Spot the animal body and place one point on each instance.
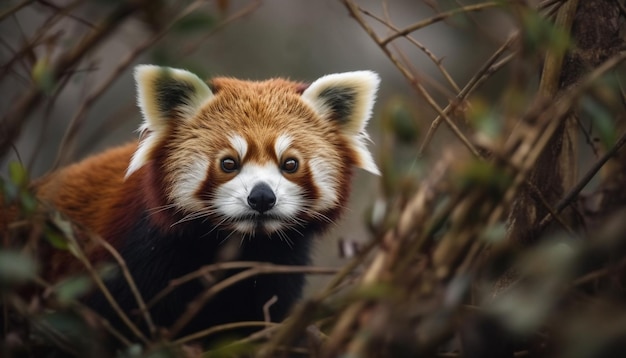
(260, 167)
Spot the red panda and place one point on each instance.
(265, 165)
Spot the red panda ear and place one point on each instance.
(348, 99)
(164, 96)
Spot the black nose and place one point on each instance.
(261, 198)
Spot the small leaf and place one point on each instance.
(108, 271)
(482, 174)
(28, 201)
(16, 268)
(43, 75)
(602, 121)
(64, 326)
(18, 174)
(540, 34)
(494, 234)
(73, 288)
(196, 21)
(56, 239)
(133, 351)
(483, 118)
(8, 191)
(401, 120)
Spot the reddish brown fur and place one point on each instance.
(95, 194)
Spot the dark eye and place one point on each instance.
(229, 165)
(290, 165)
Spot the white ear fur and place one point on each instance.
(164, 95)
(347, 98)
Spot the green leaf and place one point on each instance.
(483, 118)
(56, 239)
(16, 268)
(73, 288)
(18, 174)
(541, 34)
(401, 120)
(108, 271)
(133, 351)
(602, 121)
(43, 75)
(28, 201)
(494, 234)
(482, 174)
(193, 22)
(56, 326)
(8, 191)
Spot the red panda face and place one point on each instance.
(254, 157)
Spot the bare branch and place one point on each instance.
(354, 11)
(17, 7)
(20, 112)
(437, 18)
(261, 269)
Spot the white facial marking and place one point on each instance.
(324, 179)
(240, 145)
(188, 180)
(282, 144)
(231, 198)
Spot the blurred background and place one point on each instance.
(300, 39)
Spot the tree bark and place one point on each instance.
(596, 35)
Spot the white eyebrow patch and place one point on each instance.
(240, 145)
(282, 144)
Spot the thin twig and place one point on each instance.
(43, 327)
(80, 254)
(262, 334)
(300, 317)
(355, 12)
(267, 317)
(594, 275)
(236, 16)
(573, 193)
(587, 134)
(439, 17)
(77, 121)
(19, 114)
(12, 10)
(550, 209)
(436, 61)
(47, 113)
(130, 281)
(38, 37)
(221, 328)
(546, 3)
(57, 8)
(104, 322)
(487, 69)
(201, 272)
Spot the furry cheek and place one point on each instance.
(188, 178)
(324, 177)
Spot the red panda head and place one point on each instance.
(254, 157)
